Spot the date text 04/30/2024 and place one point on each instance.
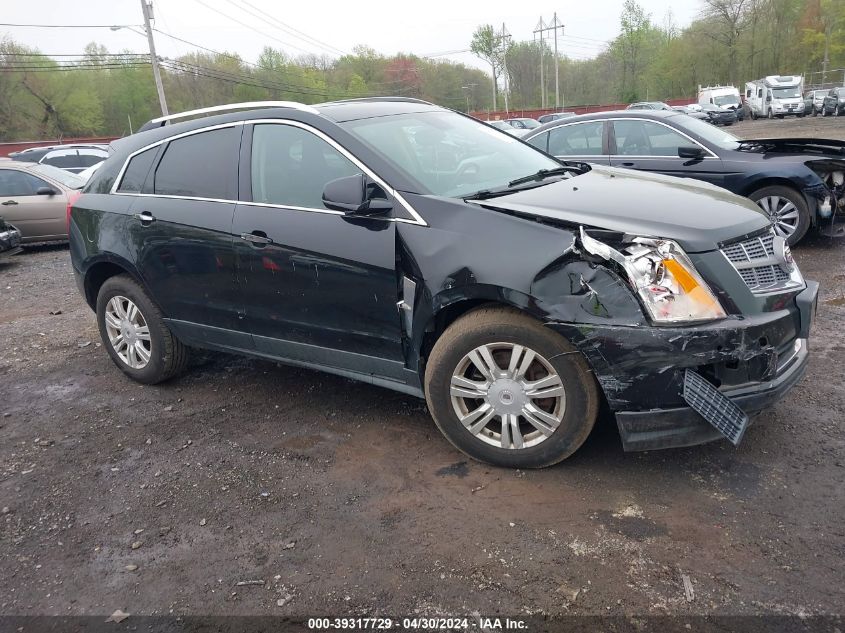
(417, 623)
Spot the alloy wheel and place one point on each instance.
(507, 395)
(128, 332)
(783, 214)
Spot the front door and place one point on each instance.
(37, 217)
(652, 146)
(318, 286)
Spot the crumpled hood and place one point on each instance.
(695, 214)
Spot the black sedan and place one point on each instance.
(797, 182)
(717, 116)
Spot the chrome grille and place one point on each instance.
(755, 261)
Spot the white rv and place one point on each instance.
(775, 96)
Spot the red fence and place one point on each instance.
(16, 146)
(582, 109)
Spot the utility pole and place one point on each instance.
(148, 9)
(554, 25)
(505, 36)
(468, 91)
(539, 30)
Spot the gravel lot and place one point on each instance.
(343, 498)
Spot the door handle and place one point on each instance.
(145, 217)
(257, 238)
(628, 164)
(9, 202)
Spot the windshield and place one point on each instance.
(60, 175)
(710, 133)
(447, 153)
(726, 100)
(786, 93)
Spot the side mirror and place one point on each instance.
(768, 99)
(690, 152)
(355, 196)
(45, 191)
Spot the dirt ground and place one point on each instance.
(339, 498)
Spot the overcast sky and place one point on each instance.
(423, 28)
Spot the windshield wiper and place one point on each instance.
(545, 173)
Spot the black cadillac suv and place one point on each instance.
(409, 246)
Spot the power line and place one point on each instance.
(70, 26)
(300, 35)
(252, 28)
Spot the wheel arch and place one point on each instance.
(98, 272)
(783, 181)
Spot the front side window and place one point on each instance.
(202, 165)
(291, 166)
(578, 139)
(17, 183)
(448, 154)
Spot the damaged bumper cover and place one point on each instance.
(754, 361)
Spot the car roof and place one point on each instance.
(610, 114)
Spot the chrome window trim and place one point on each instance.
(666, 125)
(417, 219)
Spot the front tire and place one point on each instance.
(508, 391)
(787, 209)
(134, 333)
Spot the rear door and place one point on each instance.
(38, 217)
(319, 286)
(180, 227)
(653, 146)
(584, 141)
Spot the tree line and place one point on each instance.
(731, 42)
(97, 93)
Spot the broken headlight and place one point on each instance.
(664, 278)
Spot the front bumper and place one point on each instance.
(753, 360)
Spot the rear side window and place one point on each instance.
(137, 170)
(63, 158)
(203, 165)
(291, 166)
(577, 139)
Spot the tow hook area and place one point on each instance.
(715, 407)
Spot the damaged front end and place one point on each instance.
(829, 194)
(713, 350)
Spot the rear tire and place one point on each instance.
(766, 197)
(128, 318)
(507, 337)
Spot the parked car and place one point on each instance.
(524, 123)
(834, 102)
(649, 105)
(813, 101)
(718, 116)
(507, 127)
(34, 197)
(796, 182)
(72, 158)
(10, 239)
(555, 116)
(696, 114)
(517, 294)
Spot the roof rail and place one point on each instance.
(164, 120)
(405, 99)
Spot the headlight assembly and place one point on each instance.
(664, 278)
